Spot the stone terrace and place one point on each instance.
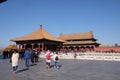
(89, 56)
(70, 70)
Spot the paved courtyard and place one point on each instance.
(70, 70)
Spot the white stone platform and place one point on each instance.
(89, 56)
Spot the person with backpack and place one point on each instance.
(56, 60)
(48, 59)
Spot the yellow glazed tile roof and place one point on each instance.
(87, 35)
(38, 35)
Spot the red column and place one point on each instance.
(74, 48)
(17, 46)
(24, 46)
(62, 48)
(84, 49)
(79, 49)
(32, 46)
(38, 46)
(90, 49)
(94, 48)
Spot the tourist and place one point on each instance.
(36, 55)
(33, 56)
(15, 57)
(56, 60)
(48, 59)
(27, 55)
(75, 54)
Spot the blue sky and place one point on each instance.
(21, 17)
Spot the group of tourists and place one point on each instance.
(33, 57)
(15, 58)
(56, 58)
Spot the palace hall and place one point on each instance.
(42, 41)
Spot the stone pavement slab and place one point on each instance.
(70, 70)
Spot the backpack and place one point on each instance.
(48, 56)
(56, 58)
(36, 53)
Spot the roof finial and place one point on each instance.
(60, 34)
(91, 32)
(41, 26)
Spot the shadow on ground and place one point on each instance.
(52, 66)
(22, 70)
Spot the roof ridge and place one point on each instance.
(77, 33)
